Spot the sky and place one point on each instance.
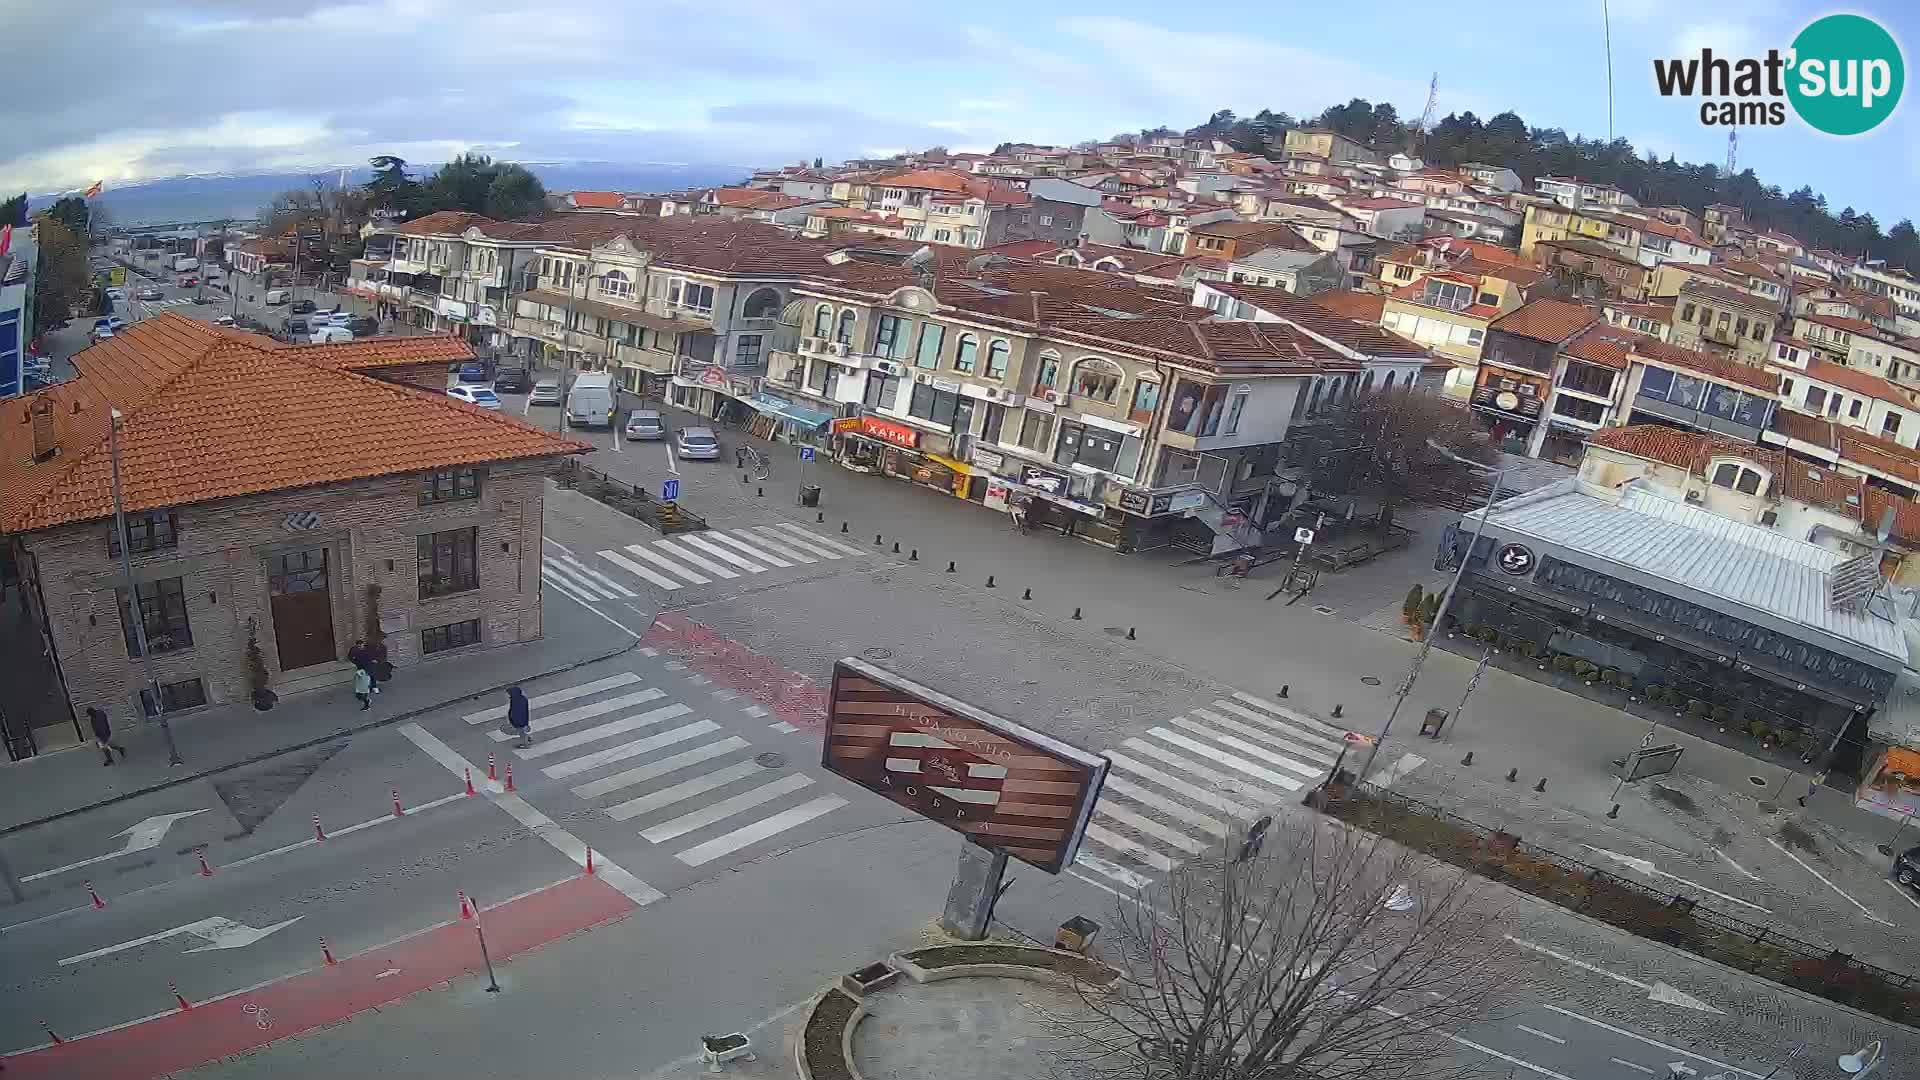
(146, 88)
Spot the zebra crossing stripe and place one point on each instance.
(1137, 852)
(1290, 741)
(1113, 811)
(630, 749)
(1309, 735)
(743, 546)
(816, 539)
(779, 544)
(1284, 783)
(637, 570)
(603, 731)
(555, 697)
(1154, 750)
(669, 565)
(1177, 811)
(548, 575)
(597, 577)
(719, 552)
(1311, 723)
(653, 769)
(1111, 871)
(551, 565)
(759, 830)
(770, 533)
(686, 789)
(1179, 786)
(695, 558)
(544, 724)
(1249, 749)
(726, 808)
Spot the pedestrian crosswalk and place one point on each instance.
(1180, 788)
(690, 559)
(176, 301)
(681, 779)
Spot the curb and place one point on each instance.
(175, 781)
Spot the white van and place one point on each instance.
(327, 335)
(591, 402)
(276, 296)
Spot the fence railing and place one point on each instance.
(635, 502)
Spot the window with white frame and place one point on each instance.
(997, 354)
(943, 236)
(823, 320)
(614, 283)
(1097, 379)
(964, 353)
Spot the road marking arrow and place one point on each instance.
(218, 932)
(140, 837)
(1656, 991)
(1646, 868)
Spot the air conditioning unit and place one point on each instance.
(888, 367)
(840, 348)
(1055, 397)
(1694, 497)
(809, 345)
(994, 393)
(922, 377)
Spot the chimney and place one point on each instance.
(40, 414)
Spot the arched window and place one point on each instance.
(997, 354)
(844, 335)
(616, 283)
(964, 352)
(763, 304)
(1388, 385)
(1366, 383)
(1097, 379)
(822, 320)
(1048, 374)
(1313, 403)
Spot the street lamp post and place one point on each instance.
(132, 612)
(1446, 601)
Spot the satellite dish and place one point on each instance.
(921, 259)
(986, 262)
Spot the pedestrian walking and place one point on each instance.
(361, 658)
(519, 716)
(103, 735)
(363, 687)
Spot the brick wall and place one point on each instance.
(431, 376)
(369, 530)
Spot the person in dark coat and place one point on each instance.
(519, 715)
(103, 735)
(362, 657)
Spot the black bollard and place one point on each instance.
(1614, 813)
(1513, 774)
(1336, 711)
(760, 491)
(743, 478)
(914, 556)
(843, 526)
(1027, 595)
(949, 566)
(1542, 785)
(1130, 634)
(1283, 691)
(821, 516)
(896, 547)
(876, 540)
(989, 581)
(1076, 613)
(1468, 760)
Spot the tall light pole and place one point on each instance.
(132, 613)
(1446, 599)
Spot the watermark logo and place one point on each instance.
(1843, 75)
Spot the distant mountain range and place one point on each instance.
(203, 197)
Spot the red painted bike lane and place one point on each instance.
(248, 1019)
(795, 698)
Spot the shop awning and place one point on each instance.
(805, 417)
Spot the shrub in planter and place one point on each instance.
(1430, 608)
(1563, 663)
(1410, 605)
(1698, 708)
(1720, 714)
(1584, 669)
(257, 676)
(1656, 693)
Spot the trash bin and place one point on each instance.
(810, 495)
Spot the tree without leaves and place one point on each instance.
(1377, 447)
(1332, 956)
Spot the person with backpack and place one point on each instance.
(519, 716)
(103, 735)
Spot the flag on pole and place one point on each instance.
(6, 238)
(94, 190)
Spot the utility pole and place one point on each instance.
(132, 612)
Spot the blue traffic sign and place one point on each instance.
(806, 453)
(670, 490)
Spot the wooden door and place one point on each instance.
(302, 608)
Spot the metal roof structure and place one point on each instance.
(1712, 561)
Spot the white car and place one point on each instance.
(482, 396)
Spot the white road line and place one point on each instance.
(555, 697)
(1307, 771)
(1311, 723)
(1113, 811)
(542, 724)
(725, 808)
(746, 548)
(1864, 910)
(818, 549)
(598, 578)
(560, 584)
(695, 558)
(1404, 764)
(815, 538)
(1541, 1034)
(779, 544)
(637, 570)
(1631, 1065)
(599, 758)
(1750, 875)
(686, 789)
(581, 583)
(673, 462)
(1139, 853)
(1310, 732)
(655, 769)
(602, 731)
(1174, 810)
(783, 727)
(1111, 871)
(558, 544)
(1214, 753)
(754, 710)
(1668, 1047)
(1180, 787)
(759, 830)
(1160, 753)
(543, 826)
(719, 552)
(1902, 890)
(669, 565)
(1290, 745)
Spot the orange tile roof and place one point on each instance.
(1841, 322)
(445, 223)
(1860, 382)
(1605, 345)
(1352, 304)
(1807, 429)
(1655, 442)
(370, 353)
(1884, 455)
(1729, 371)
(1823, 487)
(1549, 320)
(1906, 513)
(598, 200)
(213, 414)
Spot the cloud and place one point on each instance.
(1730, 39)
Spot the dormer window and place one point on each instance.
(1737, 476)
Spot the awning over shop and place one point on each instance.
(958, 466)
(805, 417)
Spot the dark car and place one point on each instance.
(301, 307)
(294, 327)
(1906, 868)
(472, 372)
(513, 380)
(364, 326)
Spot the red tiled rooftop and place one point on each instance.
(1604, 345)
(1549, 320)
(1655, 442)
(1723, 370)
(598, 200)
(1860, 382)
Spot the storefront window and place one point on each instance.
(934, 406)
(1091, 446)
(1036, 431)
(990, 427)
(882, 391)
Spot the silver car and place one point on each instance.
(697, 444)
(645, 424)
(544, 393)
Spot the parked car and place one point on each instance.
(187, 281)
(364, 326)
(101, 333)
(645, 424)
(149, 293)
(116, 323)
(545, 393)
(475, 395)
(474, 372)
(116, 293)
(294, 327)
(513, 380)
(276, 297)
(697, 444)
(300, 307)
(326, 334)
(1906, 868)
(224, 320)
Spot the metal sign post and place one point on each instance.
(802, 473)
(670, 491)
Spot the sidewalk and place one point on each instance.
(60, 783)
